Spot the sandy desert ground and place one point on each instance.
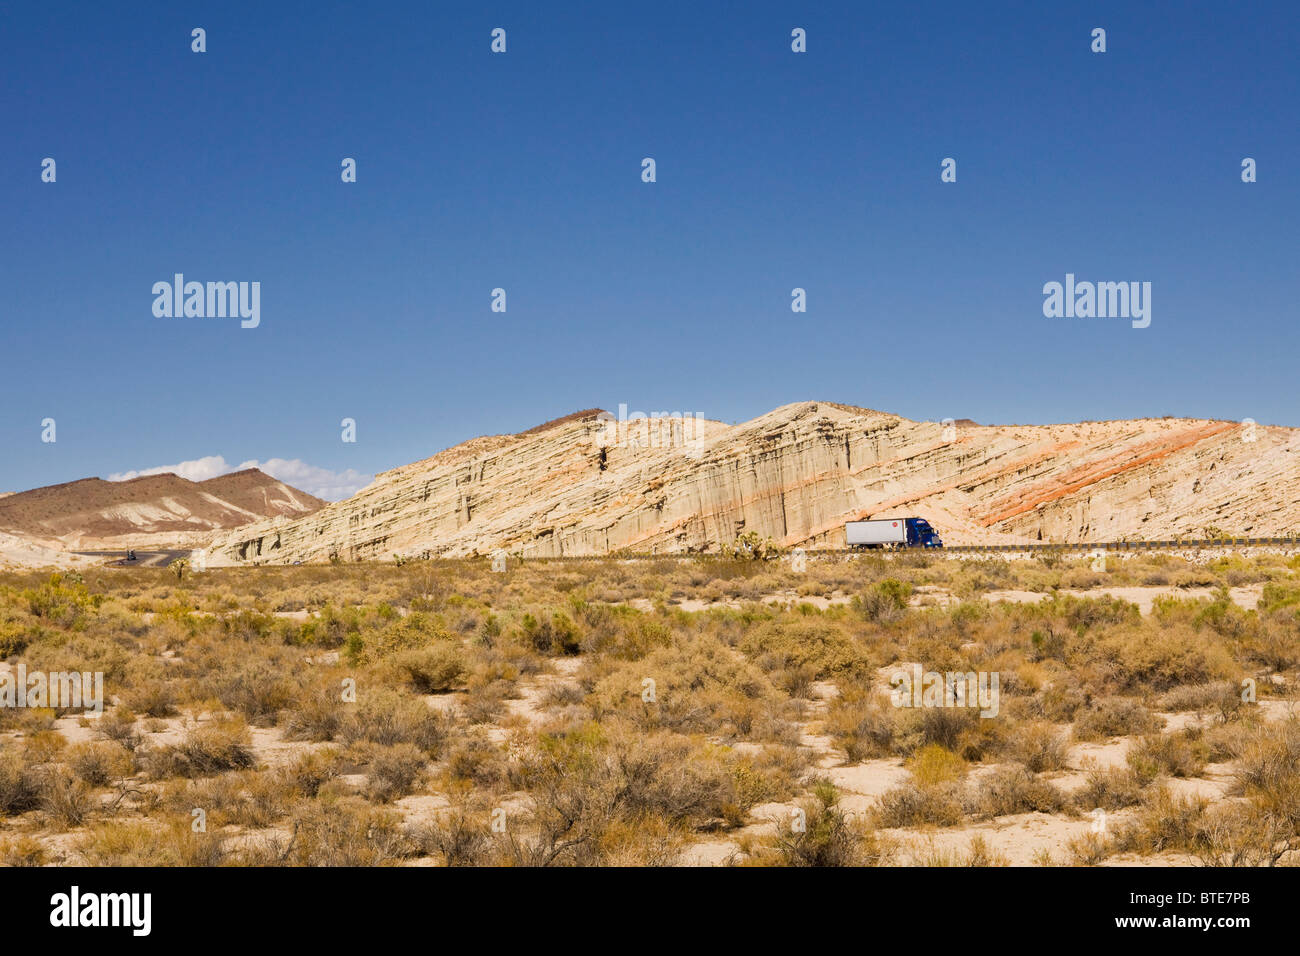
(718, 712)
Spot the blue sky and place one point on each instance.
(522, 170)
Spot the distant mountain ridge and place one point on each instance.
(92, 513)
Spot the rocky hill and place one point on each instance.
(97, 514)
(582, 485)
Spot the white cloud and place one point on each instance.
(200, 469)
(321, 482)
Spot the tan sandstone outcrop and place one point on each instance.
(586, 486)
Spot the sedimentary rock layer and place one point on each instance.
(584, 485)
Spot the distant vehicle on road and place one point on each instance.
(891, 533)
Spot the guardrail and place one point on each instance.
(1172, 544)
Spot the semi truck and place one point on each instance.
(891, 533)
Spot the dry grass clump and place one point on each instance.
(978, 853)
(1115, 717)
(386, 717)
(690, 687)
(863, 723)
(819, 833)
(142, 843)
(1183, 754)
(23, 849)
(393, 771)
(99, 763)
(909, 805)
(820, 645)
(210, 747)
(587, 781)
(20, 784)
(1039, 746)
(933, 795)
(1013, 789)
(460, 837)
(432, 670)
(1109, 788)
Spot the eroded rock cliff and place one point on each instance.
(584, 485)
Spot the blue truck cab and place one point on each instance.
(921, 535)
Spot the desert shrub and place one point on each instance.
(44, 746)
(826, 836)
(885, 602)
(318, 715)
(477, 759)
(212, 747)
(1059, 702)
(1234, 834)
(486, 703)
(393, 770)
(99, 763)
(693, 685)
(1014, 789)
(1269, 762)
(1162, 823)
(66, 800)
(1157, 658)
(116, 843)
(1222, 698)
(933, 765)
(118, 725)
(1115, 717)
(153, 698)
(1039, 746)
(554, 634)
(432, 670)
(586, 779)
(257, 686)
(1110, 788)
(1180, 755)
(330, 628)
(646, 841)
(385, 634)
(23, 850)
(1275, 646)
(20, 785)
(863, 724)
(621, 632)
(311, 771)
(1089, 849)
(959, 729)
(63, 601)
(820, 645)
(386, 717)
(243, 798)
(459, 838)
(908, 805)
(338, 831)
(977, 854)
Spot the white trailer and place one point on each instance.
(891, 533)
(882, 531)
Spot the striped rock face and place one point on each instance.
(588, 485)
